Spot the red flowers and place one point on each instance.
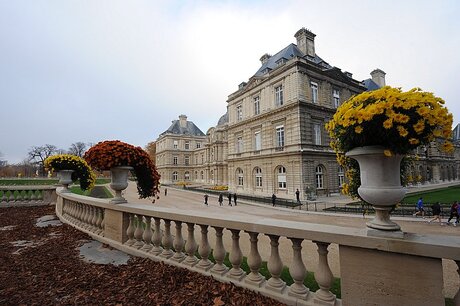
(114, 153)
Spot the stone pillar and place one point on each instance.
(115, 225)
(389, 278)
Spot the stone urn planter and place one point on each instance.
(119, 182)
(65, 178)
(380, 183)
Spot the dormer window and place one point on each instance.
(281, 61)
(266, 70)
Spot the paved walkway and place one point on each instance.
(185, 199)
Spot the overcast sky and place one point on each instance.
(101, 70)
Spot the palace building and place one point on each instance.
(272, 138)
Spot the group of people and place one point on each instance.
(436, 210)
(221, 199)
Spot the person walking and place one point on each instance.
(166, 191)
(436, 208)
(234, 198)
(206, 199)
(420, 210)
(297, 195)
(273, 199)
(221, 199)
(229, 196)
(453, 213)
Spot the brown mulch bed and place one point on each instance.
(51, 272)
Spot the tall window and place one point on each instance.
(187, 160)
(279, 95)
(212, 175)
(281, 177)
(239, 113)
(187, 176)
(239, 175)
(202, 175)
(256, 105)
(336, 97)
(198, 145)
(174, 177)
(175, 144)
(174, 160)
(341, 175)
(280, 136)
(319, 177)
(258, 177)
(257, 141)
(202, 158)
(187, 145)
(196, 159)
(314, 92)
(317, 132)
(239, 144)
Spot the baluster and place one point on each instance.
(275, 266)
(83, 216)
(99, 213)
(19, 196)
(4, 198)
(130, 231)
(204, 250)
(324, 276)
(80, 215)
(88, 217)
(67, 210)
(25, 196)
(298, 271)
(178, 243)
(40, 195)
(147, 236)
(156, 239)
(236, 257)
(33, 197)
(219, 253)
(91, 219)
(11, 199)
(191, 246)
(94, 220)
(457, 295)
(254, 262)
(138, 233)
(167, 241)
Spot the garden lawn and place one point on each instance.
(444, 196)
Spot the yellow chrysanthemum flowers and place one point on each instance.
(82, 171)
(399, 121)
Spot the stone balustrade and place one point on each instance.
(27, 195)
(374, 270)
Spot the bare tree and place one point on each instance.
(37, 155)
(2, 161)
(151, 148)
(77, 148)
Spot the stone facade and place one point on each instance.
(273, 139)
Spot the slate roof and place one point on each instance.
(370, 85)
(287, 53)
(190, 129)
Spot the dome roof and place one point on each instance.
(223, 120)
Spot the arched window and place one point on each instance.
(258, 177)
(282, 177)
(187, 176)
(196, 175)
(202, 175)
(319, 175)
(239, 176)
(212, 174)
(341, 175)
(174, 176)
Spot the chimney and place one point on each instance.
(265, 58)
(183, 121)
(378, 76)
(306, 41)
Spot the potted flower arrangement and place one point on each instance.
(375, 130)
(71, 168)
(121, 158)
